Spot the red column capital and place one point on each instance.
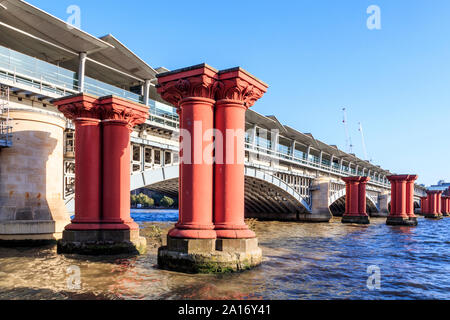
(351, 180)
(238, 85)
(198, 81)
(79, 106)
(115, 108)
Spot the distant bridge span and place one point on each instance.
(264, 193)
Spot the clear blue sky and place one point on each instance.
(317, 56)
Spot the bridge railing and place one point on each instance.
(313, 163)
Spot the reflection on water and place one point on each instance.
(301, 261)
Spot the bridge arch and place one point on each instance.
(336, 203)
(264, 193)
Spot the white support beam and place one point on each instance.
(81, 70)
(147, 84)
(293, 148)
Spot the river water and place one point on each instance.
(301, 261)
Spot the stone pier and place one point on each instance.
(355, 200)
(211, 235)
(102, 223)
(402, 201)
(433, 208)
(32, 209)
(320, 210)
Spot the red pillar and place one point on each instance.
(433, 204)
(239, 91)
(362, 202)
(192, 91)
(355, 199)
(438, 202)
(423, 205)
(393, 196)
(448, 205)
(83, 110)
(444, 205)
(410, 195)
(119, 117)
(402, 200)
(102, 178)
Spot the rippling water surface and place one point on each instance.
(301, 261)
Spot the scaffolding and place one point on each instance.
(5, 127)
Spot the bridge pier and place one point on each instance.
(402, 201)
(320, 209)
(355, 200)
(384, 205)
(423, 205)
(31, 205)
(102, 223)
(206, 238)
(433, 209)
(445, 206)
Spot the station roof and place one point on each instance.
(36, 33)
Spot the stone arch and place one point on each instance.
(265, 194)
(336, 203)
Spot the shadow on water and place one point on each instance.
(301, 261)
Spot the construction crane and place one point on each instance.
(363, 141)
(348, 139)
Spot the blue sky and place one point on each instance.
(317, 56)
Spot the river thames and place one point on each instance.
(301, 261)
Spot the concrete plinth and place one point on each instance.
(102, 242)
(209, 255)
(434, 216)
(381, 214)
(401, 221)
(356, 219)
(316, 216)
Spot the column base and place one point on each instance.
(235, 233)
(402, 221)
(434, 216)
(192, 233)
(209, 255)
(446, 214)
(355, 219)
(101, 242)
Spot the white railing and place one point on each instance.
(313, 164)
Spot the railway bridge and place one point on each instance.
(289, 175)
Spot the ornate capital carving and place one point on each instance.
(356, 179)
(238, 85)
(114, 108)
(79, 106)
(110, 107)
(194, 82)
